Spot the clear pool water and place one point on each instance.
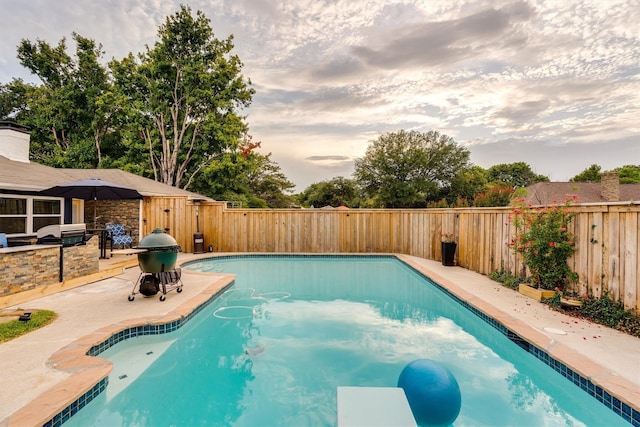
(273, 349)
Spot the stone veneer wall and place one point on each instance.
(126, 212)
(28, 269)
(33, 268)
(81, 260)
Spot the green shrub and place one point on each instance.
(603, 310)
(611, 313)
(545, 243)
(507, 279)
(495, 196)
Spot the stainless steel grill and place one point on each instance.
(62, 234)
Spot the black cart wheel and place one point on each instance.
(179, 289)
(131, 298)
(162, 298)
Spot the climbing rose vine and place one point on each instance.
(545, 243)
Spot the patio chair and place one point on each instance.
(3, 241)
(118, 236)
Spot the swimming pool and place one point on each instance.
(273, 349)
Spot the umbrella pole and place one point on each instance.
(95, 218)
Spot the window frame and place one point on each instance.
(29, 216)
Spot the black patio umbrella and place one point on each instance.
(92, 189)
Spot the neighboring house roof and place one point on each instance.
(547, 193)
(33, 177)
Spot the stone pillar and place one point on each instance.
(610, 183)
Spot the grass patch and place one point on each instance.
(15, 328)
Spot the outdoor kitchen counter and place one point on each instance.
(31, 268)
(25, 248)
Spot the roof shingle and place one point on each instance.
(547, 193)
(33, 177)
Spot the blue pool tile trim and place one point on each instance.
(627, 413)
(217, 257)
(70, 410)
(136, 331)
(620, 408)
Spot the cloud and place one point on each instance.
(330, 160)
(524, 110)
(559, 162)
(338, 69)
(553, 84)
(447, 42)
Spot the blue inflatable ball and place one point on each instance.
(432, 392)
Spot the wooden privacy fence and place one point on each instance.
(607, 237)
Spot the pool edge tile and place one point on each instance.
(611, 390)
(53, 402)
(607, 388)
(89, 373)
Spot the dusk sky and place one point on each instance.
(555, 84)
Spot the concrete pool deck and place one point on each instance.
(44, 371)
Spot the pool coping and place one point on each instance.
(89, 374)
(615, 392)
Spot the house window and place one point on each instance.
(13, 215)
(45, 212)
(27, 214)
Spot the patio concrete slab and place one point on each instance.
(27, 368)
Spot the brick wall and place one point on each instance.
(610, 182)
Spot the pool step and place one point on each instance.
(373, 406)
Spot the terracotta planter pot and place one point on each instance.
(536, 294)
(448, 253)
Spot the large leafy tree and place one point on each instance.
(466, 185)
(184, 94)
(335, 192)
(590, 174)
(498, 194)
(66, 114)
(267, 182)
(247, 177)
(518, 174)
(13, 99)
(405, 169)
(169, 113)
(629, 174)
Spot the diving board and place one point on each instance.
(373, 407)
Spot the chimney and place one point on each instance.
(14, 141)
(610, 186)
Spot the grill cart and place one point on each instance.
(157, 264)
